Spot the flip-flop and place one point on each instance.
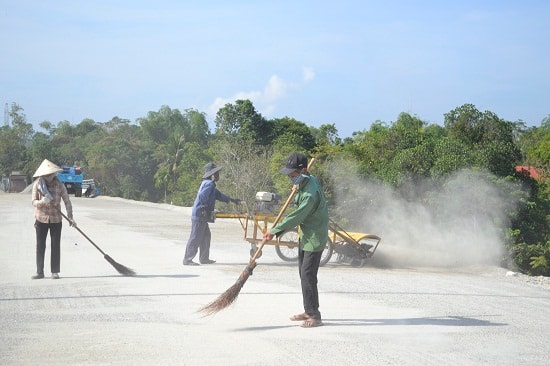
(299, 317)
(311, 323)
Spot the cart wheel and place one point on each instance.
(284, 252)
(327, 253)
(291, 254)
(366, 247)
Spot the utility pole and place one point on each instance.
(6, 115)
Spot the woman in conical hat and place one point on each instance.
(47, 193)
(46, 168)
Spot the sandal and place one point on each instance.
(311, 323)
(299, 317)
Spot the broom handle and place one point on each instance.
(81, 232)
(76, 227)
(281, 212)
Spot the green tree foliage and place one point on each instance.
(22, 128)
(490, 139)
(14, 141)
(399, 154)
(12, 151)
(162, 158)
(242, 122)
(533, 259)
(121, 162)
(463, 124)
(179, 143)
(450, 155)
(289, 129)
(529, 238)
(535, 145)
(371, 149)
(326, 134)
(40, 148)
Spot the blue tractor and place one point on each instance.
(72, 177)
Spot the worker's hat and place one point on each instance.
(210, 169)
(295, 162)
(46, 168)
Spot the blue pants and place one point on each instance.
(308, 265)
(199, 239)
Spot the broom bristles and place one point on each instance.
(223, 301)
(230, 295)
(119, 267)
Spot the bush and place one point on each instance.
(533, 259)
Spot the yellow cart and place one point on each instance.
(351, 247)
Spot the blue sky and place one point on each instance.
(347, 63)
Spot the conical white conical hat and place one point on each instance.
(46, 168)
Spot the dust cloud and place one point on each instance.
(458, 223)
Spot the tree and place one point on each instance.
(14, 140)
(159, 126)
(22, 128)
(65, 149)
(407, 131)
(240, 121)
(179, 143)
(198, 131)
(450, 155)
(189, 172)
(286, 129)
(491, 138)
(371, 149)
(121, 163)
(535, 145)
(12, 151)
(40, 148)
(245, 170)
(327, 134)
(463, 124)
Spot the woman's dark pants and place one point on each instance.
(55, 236)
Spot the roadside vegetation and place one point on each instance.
(160, 158)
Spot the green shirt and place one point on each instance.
(311, 215)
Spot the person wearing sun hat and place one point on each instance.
(203, 213)
(311, 215)
(47, 193)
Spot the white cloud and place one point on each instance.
(308, 74)
(266, 101)
(275, 89)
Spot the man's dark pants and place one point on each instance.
(308, 264)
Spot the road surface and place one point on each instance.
(374, 315)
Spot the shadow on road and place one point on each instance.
(448, 321)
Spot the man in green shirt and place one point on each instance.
(311, 215)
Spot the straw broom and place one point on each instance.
(119, 267)
(230, 295)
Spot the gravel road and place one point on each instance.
(375, 315)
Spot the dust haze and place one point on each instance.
(461, 223)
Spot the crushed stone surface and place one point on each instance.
(378, 314)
